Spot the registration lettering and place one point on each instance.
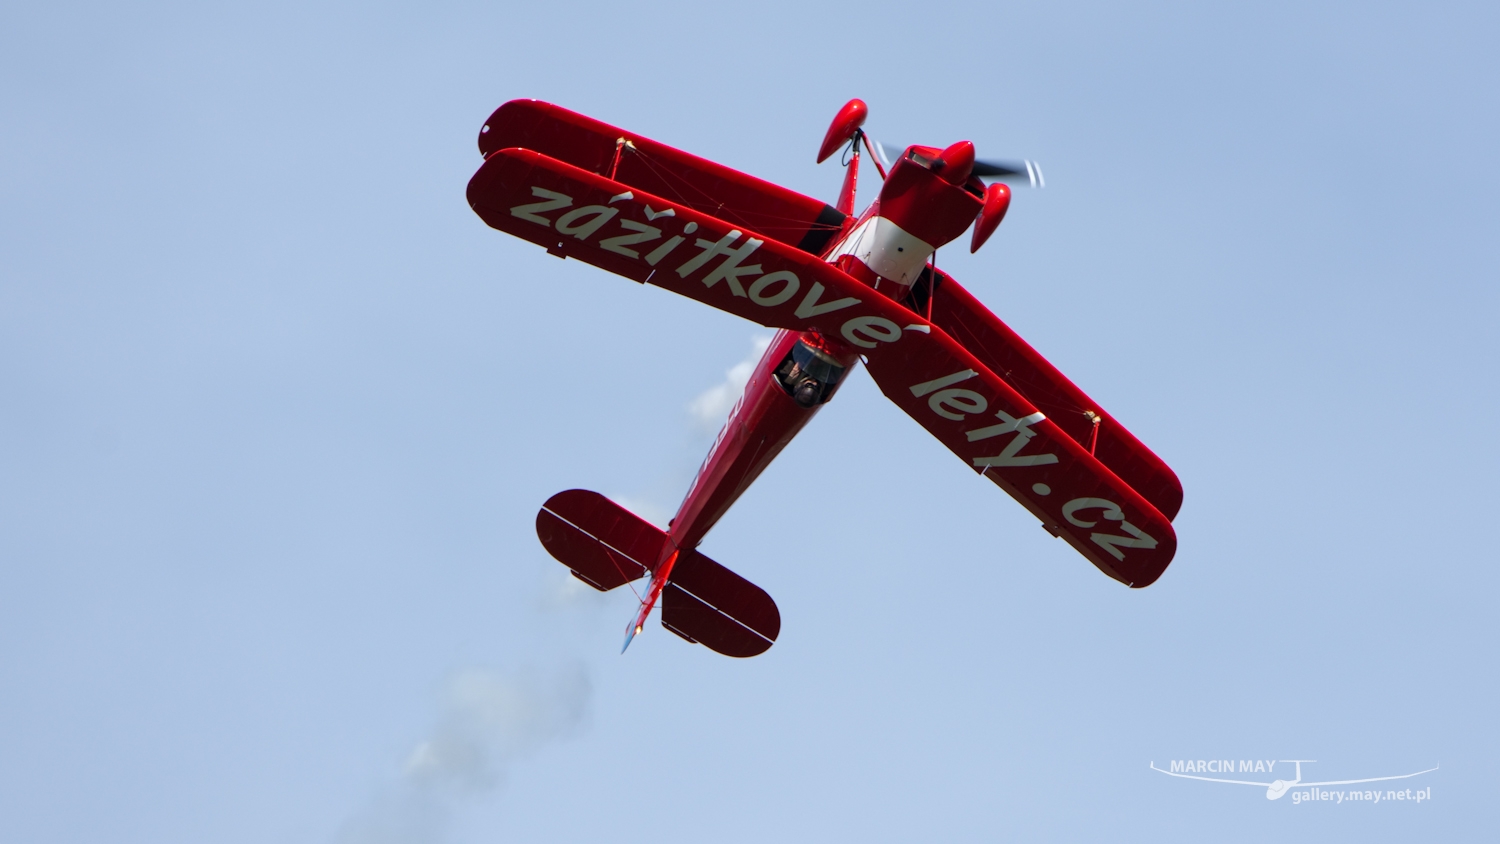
(723, 259)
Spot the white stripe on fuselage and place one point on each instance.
(891, 251)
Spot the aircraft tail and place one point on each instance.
(607, 546)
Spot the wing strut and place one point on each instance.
(874, 156)
(931, 284)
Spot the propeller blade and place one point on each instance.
(884, 153)
(1005, 171)
(998, 168)
(1001, 169)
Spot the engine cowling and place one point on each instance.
(918, 210)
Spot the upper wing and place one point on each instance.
(744, 201)
(973, 411)
(969, 322)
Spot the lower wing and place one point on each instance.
(993, 428)
(968, 321)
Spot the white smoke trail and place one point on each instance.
(489, 722)
(711, 407)
(656, 500)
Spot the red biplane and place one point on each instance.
(840, 288)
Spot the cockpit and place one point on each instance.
(809, 375)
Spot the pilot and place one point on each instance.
(808, 392)
(803, 388)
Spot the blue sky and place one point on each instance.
(277, 411)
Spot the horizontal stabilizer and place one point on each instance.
(608, 546)
(604, 544)
(711, 605)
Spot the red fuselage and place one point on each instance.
(922, 205)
